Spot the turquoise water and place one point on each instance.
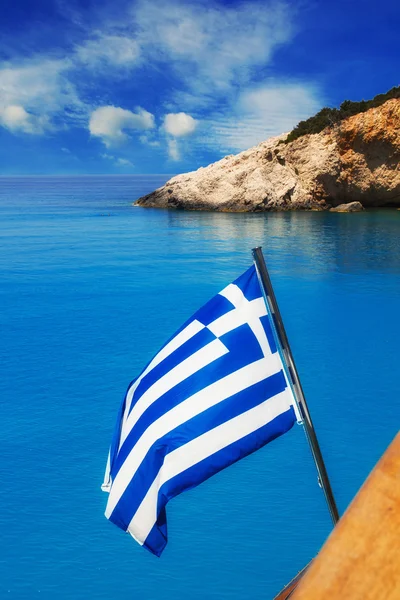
(91, 287)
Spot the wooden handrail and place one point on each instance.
(361, 558)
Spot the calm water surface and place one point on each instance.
(91, 287)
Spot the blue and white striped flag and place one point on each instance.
(215, 392)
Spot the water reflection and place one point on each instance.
(309, 243)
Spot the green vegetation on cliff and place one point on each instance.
(327, 117)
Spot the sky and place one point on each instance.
(92, 87)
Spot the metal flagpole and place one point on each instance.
(297, 389)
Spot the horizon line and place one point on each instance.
(88, 174)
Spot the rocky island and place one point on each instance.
(353, 160)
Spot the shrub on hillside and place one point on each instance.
(327, 117)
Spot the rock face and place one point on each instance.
(350, 207)
(356, 160)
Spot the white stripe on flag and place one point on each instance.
(189, 408)
(200, 448)
(195, 362)
(183, 336)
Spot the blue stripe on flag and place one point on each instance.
(270, 334)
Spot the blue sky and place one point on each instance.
(166, 87)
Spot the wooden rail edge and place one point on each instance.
(361, 558)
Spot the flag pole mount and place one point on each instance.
(323, 478)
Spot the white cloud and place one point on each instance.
(103, 50)
(38, 96)
(124, 162)
(149, 141)
(37, 83)
(111, 122)
(262, 112)
(179, 124)
(173, 150)
(119, 161)
(16, 119)
(212, 45)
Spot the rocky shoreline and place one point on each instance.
(355, 162)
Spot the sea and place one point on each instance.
(91, 288)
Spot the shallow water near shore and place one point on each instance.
(91, 288)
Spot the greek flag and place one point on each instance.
(215, 392)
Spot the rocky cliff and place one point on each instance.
(356, 160)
